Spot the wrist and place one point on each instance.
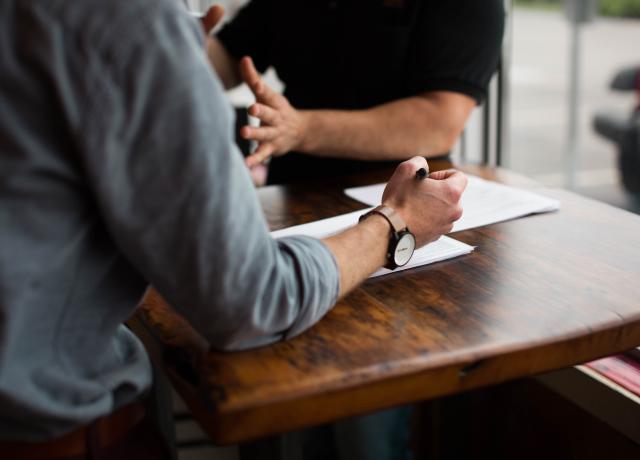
(377, 230)
(376, 223)
(401, 242)
(399, 210)
(306, 142)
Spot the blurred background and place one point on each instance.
(540, 93)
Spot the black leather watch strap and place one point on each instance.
(398, 228)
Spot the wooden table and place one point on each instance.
(539, 293)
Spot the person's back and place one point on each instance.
(118, 169)
(64, 357)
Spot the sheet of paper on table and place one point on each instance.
(442, 249)
(484, 202)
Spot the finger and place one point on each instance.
(250, 75)
(260, 134)
(212, 17)
(252, 78)
(454, 186)
(264, 151)
(408, 168)
(457, 180)
(457, 213)
(442, 175)
(265, 113)
(259, 175)
(418, 162)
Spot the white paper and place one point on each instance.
(483, 202)
(442, 249)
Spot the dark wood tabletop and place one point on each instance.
(538, 293)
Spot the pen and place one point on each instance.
(422, 173)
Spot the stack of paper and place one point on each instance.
(484, 202)
(442, 249)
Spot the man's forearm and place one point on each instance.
(421, 125)
(360, 251)
(427, 124)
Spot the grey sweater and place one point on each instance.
(118, 169)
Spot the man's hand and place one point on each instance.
(215, 53)
(429, 206)
(211, 18)
(282, 127)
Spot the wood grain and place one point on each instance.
(539, 293)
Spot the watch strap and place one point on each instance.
(398, 228)
(395, 220)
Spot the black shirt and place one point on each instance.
(355, 54)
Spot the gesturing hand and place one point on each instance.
(209, 21)
(211, 18)
(281, 127)
(429, 206)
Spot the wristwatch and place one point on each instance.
(402, 243)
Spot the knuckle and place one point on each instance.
(465, 180)
(417, 161)
(406, 167)
(457, 212)
(452, 193)
(447, 192)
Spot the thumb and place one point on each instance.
(442, 175)
(212, 17)
(250, 75)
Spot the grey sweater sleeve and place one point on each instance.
(175, 194)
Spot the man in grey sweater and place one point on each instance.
(118, 170)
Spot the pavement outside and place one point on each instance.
(540, 75)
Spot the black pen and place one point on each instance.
(422, 173)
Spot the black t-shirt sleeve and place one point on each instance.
(249, 33)
(457, 47)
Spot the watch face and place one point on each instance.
(404, 249)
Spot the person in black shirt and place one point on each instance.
(367, 81)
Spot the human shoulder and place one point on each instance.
(112, 24)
